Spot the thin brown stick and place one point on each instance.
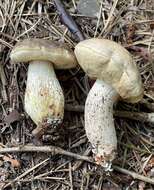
(134, 175)
(138, 116)
(74, 108)
(48, 149)
(67, 20)
(57, 150)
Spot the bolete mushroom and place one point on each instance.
(44, 99)
(117, 76)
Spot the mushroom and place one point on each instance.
(117, 77)
(44, 99)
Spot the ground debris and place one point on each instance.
(129, 23)
(14, 163)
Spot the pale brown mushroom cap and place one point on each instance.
(110, 62)
(58, 53)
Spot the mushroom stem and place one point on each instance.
(44, 99)
(99, 122)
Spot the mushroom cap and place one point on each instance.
(108, 61)
(44, 50)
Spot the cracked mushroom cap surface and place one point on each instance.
(58, 53)
(108, 61)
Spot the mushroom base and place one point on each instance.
(44, 99)
(99, 122)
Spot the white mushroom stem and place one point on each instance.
(99, 122)
(44, 99)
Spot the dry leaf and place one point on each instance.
(14, 163)
(151, 162)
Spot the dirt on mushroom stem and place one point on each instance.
(99, 122)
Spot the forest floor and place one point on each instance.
(130, 23)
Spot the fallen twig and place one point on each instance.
(74, 108)
(3, 78)
(138, 116)
(67, 20)
(48, 149)
(56, 150)
(134, 175)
